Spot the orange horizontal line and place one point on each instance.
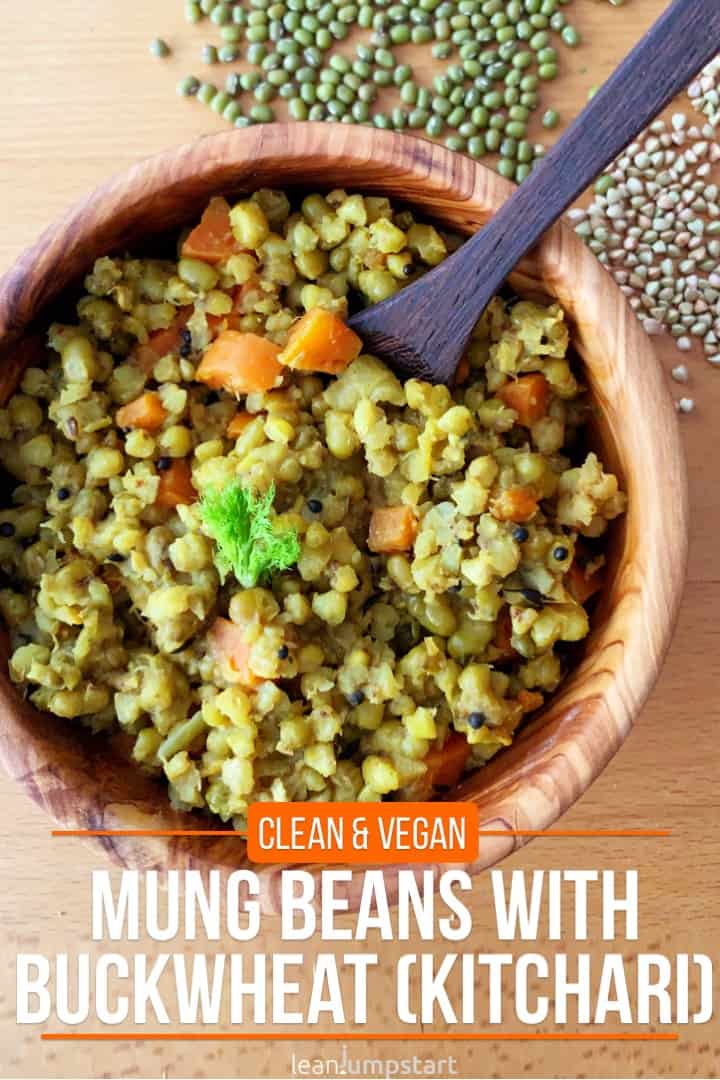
(359, 1036)
(147, 832)
(575, 832)
(483, 832)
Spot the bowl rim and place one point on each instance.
(550, 772)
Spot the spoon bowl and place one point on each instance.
(84, 782)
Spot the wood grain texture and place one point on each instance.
(557, 756)
(423, 330)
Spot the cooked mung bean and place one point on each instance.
(423, 550)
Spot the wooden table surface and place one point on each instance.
(82, 99)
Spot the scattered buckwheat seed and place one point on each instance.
(654, 223)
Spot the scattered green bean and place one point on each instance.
(188, 86)
(160, 48)
(498, 53)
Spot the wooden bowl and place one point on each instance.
(84, 783)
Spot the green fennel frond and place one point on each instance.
(240, 523)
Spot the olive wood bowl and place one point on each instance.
(83, 781)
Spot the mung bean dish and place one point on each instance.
(281, 571)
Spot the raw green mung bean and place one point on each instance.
(264, 93)
(524, 152)
(221, 14)
(455, 142)
(160, 48)
(206, 92)
(231, 111)
(188, 86)
(522, 60)
(548, 72)
(400, 34)
(221, 99)
(249, 80)
(262, 114)
(493, 139)
(421, 35)
(547, 56)
(483, 101)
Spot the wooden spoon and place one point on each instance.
(423, 330)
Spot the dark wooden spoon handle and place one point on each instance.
(444, 305)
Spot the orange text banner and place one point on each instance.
(363, 833)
